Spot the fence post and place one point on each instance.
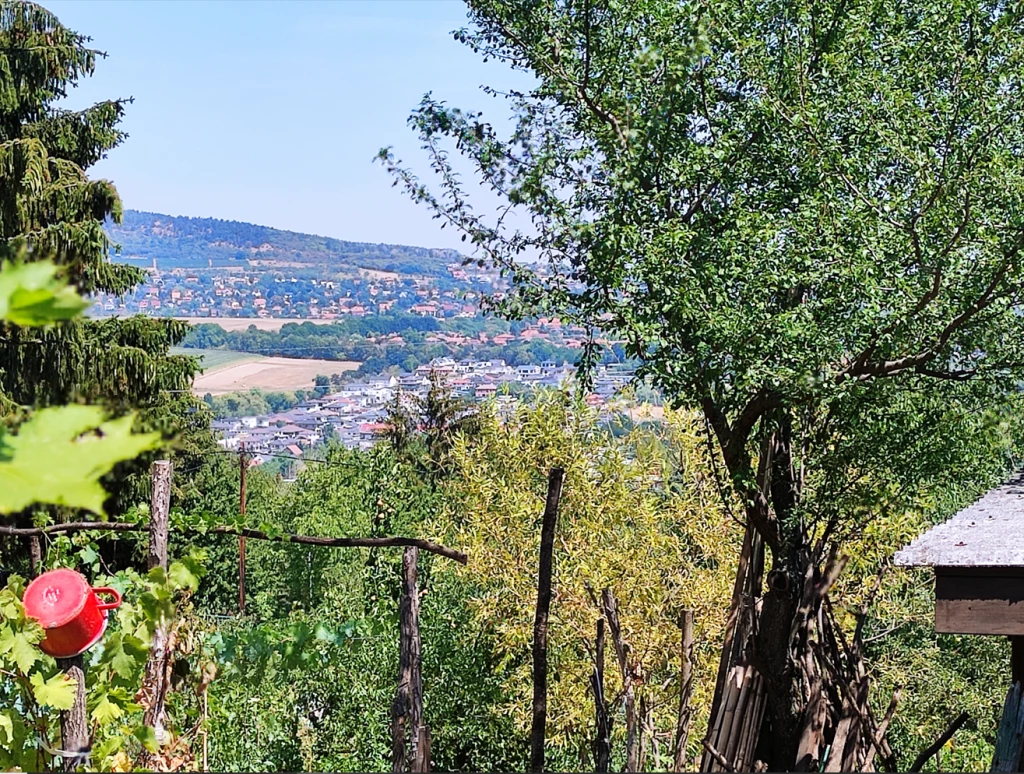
(685, 690)
(540, 621)
(602, 723)
(74, 726)
(407, 709)
(155, 680)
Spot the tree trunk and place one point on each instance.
(611, 614)
(772, 634)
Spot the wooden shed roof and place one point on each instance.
(989, 533)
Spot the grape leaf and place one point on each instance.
(85, 446)
(123, 653)
(19, 642)
(31, 294)
(147, 735)
(57, 692)
(111, 705)
(185, 574)
(7, 727)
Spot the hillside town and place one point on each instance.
(353, 415)
(314, 293)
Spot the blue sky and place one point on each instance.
(271, 112)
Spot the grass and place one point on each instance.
(216, 359)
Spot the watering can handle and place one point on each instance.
(108, 605)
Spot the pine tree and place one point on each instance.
(50, 208)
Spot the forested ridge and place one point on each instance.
(185, 242)
(801, 221)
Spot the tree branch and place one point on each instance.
(312, 540)
(863, 370)
(937, 745)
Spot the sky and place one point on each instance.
(271, 112)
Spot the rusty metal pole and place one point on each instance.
(241, 538)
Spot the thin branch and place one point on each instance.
(937, 745)
(312, 540)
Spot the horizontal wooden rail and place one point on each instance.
(310, 540)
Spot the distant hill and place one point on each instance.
(207, 242)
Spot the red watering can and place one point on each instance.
(70, 611)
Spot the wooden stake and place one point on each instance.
(410, 738)
(682, 735)
(35, 555)
(74, 725)
(540, 620)
(155, 679)
(159, 514)
(602, 723)
(1010, 734)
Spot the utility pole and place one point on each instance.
(241, 538)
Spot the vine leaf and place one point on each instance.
(57, 692)
(18, 644)
(31, 294)
(59, 455)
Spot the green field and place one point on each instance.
(216, 359)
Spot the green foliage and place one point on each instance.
(424, 430)
(252, 402)
(87, 447)
(802, 218)
(50, 210)
(35, 690)
(31, 295)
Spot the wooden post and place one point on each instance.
(602, 724)
(243, 463)
(407, 708)
(159, 514)
(156, 678)
(74, 725)
(685, 691)
(35, 555)
(540, 621)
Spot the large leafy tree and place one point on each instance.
(805, 219)
(51, 209)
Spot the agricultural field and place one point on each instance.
(216, 359)
(268, 373)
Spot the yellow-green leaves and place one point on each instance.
(18, 633)
(57, 691)
(31, 295)
(59, 455)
